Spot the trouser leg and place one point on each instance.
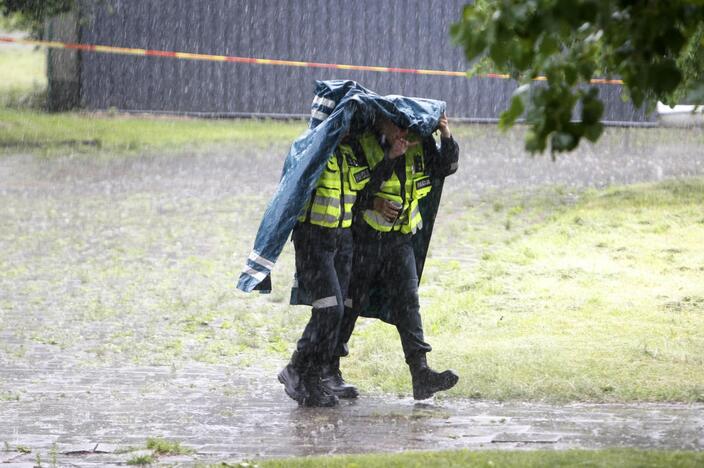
(402, 274)
(365, 263)
(315, 263)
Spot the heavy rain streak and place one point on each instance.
(251, 233)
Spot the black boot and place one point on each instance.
(290, 376)
(316, 394)
(332, 379)
(426, 381)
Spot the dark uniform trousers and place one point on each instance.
(386, 260)
(323, 266)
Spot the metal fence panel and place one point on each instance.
(395, 33)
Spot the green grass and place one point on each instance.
(110, 135)
(25, 129)
(518, 459)
(22, 78)
(597, 301)
(167, 447)
(141, 460)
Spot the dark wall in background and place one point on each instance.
(396, 33)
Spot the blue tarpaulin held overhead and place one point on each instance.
(338, 106)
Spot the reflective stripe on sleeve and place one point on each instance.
(319, 100)
(316, 114)
(259, 260)
(258, 275)
(348, 302)
(325, 302)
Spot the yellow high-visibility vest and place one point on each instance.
(417, 185)
(344, 175)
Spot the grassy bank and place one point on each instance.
(596, 458)
(601, 300)
(22, 78)
(34, 132)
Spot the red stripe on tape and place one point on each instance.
(251, 60)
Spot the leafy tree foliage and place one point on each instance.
(654, 46)
(32, 13)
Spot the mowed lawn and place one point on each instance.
(600, 300)
(507, 459)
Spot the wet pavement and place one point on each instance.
(86, 244)
(103, 416)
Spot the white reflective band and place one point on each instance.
(418, 226)
(347, 216)
(378, 218)
(316, 114)
(348, 302)
(258, 275)
(325, 302)
(295, 281)
(349, 199)
(259, 260)
(323, 218)
(329, 103)
(453, 166)
(327, 201)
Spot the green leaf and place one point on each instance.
(570, 74)
(592, 107)
(563, 141)
(534, 143)
(593, 132)
(515, 110)
(498, 51)
(548, 45)
(664, 77)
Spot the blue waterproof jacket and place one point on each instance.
(338, 106)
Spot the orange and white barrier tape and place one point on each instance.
(258, 61)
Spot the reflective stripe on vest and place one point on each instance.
(337, 189)
(416, 187)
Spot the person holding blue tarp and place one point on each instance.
(341, 109)
(322, 240)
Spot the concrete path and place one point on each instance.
(102, 416)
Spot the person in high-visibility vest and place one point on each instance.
(388, 217)
(322, 240)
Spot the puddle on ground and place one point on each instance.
(60, 410)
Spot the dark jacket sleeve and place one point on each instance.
(443, 161)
